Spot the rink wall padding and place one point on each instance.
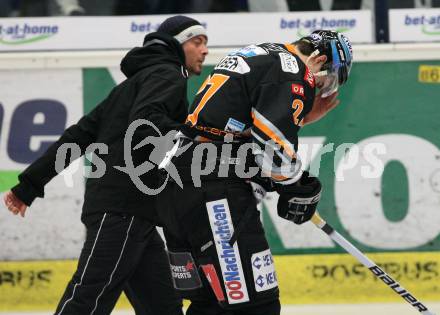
(303, 279)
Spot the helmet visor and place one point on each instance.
(329, 83)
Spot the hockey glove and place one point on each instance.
(298, 201)
(261, 186)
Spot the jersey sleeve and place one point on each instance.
(279, 109)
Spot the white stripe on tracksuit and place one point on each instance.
(88, 260)
(85, 268)
(114, 269)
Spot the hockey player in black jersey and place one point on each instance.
(260, 95)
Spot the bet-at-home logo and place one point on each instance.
(430, 24)
(25, 33)
(305, 26)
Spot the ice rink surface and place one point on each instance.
(322, 309)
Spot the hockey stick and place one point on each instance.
(375, 269)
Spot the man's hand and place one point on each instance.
(321, 106)
(14, 204)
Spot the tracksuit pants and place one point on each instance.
(120, 253)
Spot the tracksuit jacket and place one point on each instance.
(155, 89)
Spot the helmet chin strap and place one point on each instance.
(312, 55)
(321, 73)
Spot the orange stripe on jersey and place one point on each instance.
(202, 87)
(279, 178)
(272, 135)
(291, 48)
(215, 83)
(202, 139)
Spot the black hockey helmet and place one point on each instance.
(339, 54)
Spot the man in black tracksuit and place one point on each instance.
(122, 249)
(255, 100)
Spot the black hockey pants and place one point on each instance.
(202, 221)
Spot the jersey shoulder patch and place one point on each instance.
(234, 64)
(250, 51)
(272, 47)
(289, 63)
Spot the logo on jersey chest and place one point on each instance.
(233, 63)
